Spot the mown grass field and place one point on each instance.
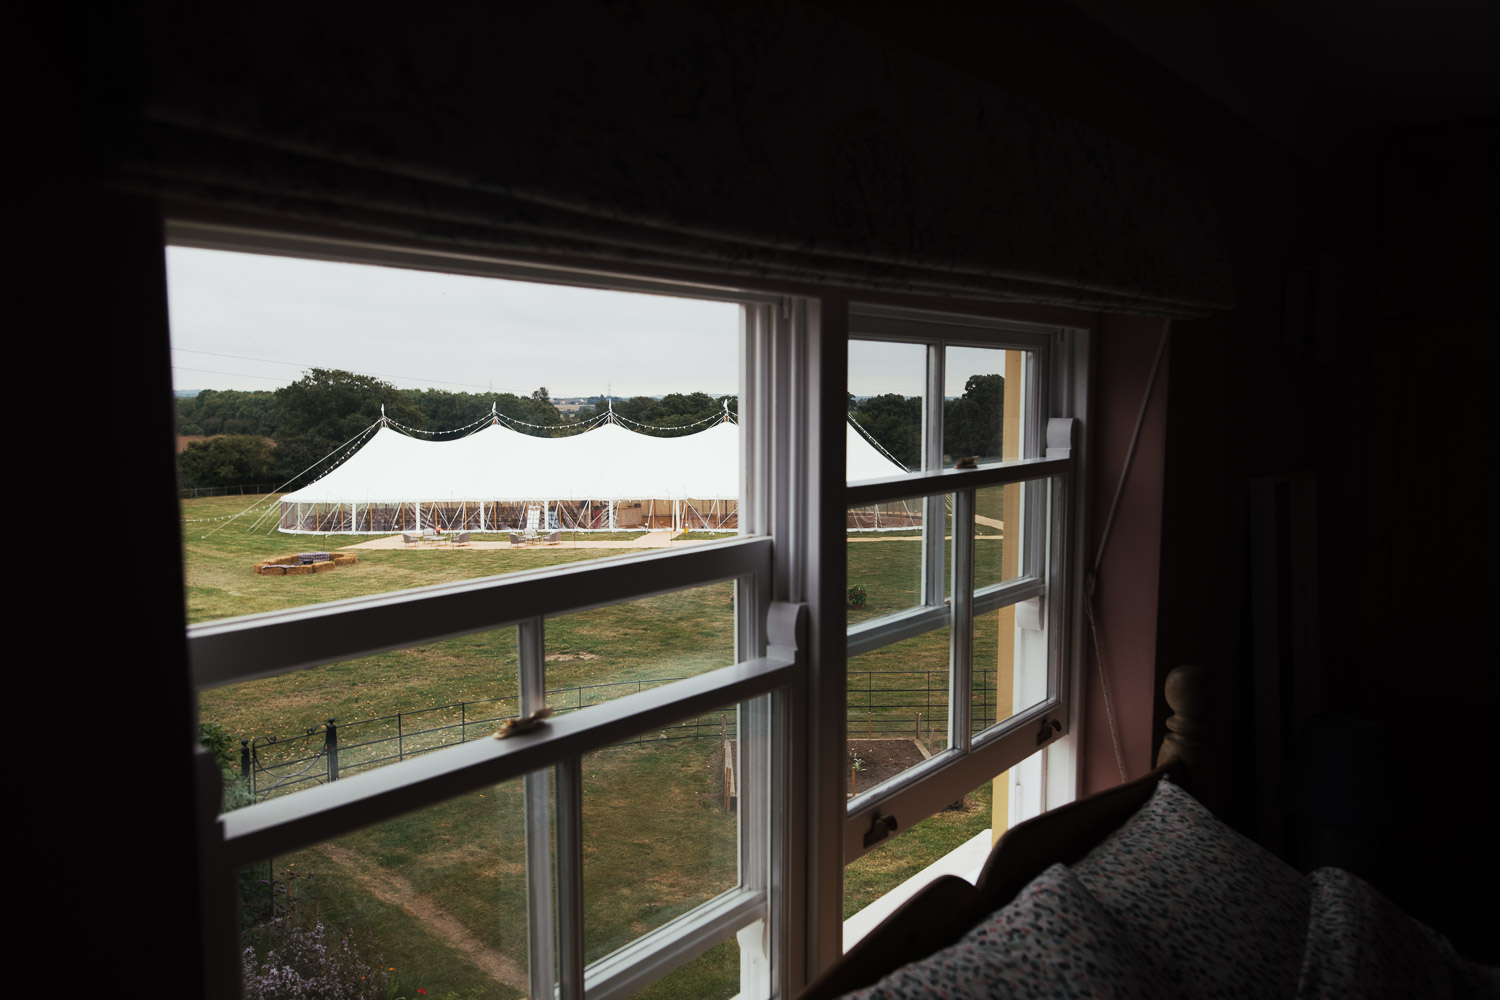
(661, 842)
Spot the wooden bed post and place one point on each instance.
(1190, 741)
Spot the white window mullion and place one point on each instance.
(539, 917)
(756, 859)
(934, 508)
(531, 650)
(531, 644)
(961, 640)
(755, 420)
(1070, 374)
(569, 775)
(814, 896)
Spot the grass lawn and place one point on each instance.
(443, 890)
(218, 554)
(902, 856)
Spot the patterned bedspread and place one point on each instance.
(1175, 904)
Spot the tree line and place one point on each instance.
(971, 423)
(271, 436)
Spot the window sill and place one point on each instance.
(966, 861)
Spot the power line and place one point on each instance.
(211, 371)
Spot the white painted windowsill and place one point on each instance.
(965, 861)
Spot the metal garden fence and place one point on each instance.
(881, 704)
(273, 765)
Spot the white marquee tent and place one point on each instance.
(601, 479)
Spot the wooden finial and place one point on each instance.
(1187, 694)
(1190, 729)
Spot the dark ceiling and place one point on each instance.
(1315, 72)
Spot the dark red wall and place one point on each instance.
(1126, 589)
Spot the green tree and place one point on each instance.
(971, 423)
(228, 460)
(445, 411)
(896, 422)
(325, 408)
(672, 411)
(228, 411)
(536, 409)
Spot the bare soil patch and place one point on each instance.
(882, 759)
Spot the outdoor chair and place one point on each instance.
(516, 539)
(462, 538)
(410, 539)
(554, 538)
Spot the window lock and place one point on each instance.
(881, 827)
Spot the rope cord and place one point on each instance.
(341, 459)
(222, 517)
(871, 438)
(1093, 575)
(304, 472)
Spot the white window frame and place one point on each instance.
(768, 653)
(1051, 455)
(790, 641)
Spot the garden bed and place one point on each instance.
(883, 759)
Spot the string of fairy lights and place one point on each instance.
(583, 426)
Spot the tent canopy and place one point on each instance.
(500, 464)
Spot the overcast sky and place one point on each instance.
(249, 321)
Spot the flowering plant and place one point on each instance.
(295, 955)
(857, 596)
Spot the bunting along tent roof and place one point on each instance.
(606, 463)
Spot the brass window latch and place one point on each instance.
(881, 827)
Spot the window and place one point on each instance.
(961, 663)
(764, 880)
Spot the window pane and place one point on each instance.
(1000, 524)
(378, 412)
(885, 408)
(897, 708)
(876, 873)
(660, 829)
(885, 560)
(1010, 663)
(289, 732)
(982, 406)
(434, 901)
(606, 653)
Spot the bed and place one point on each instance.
(1140, 891)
